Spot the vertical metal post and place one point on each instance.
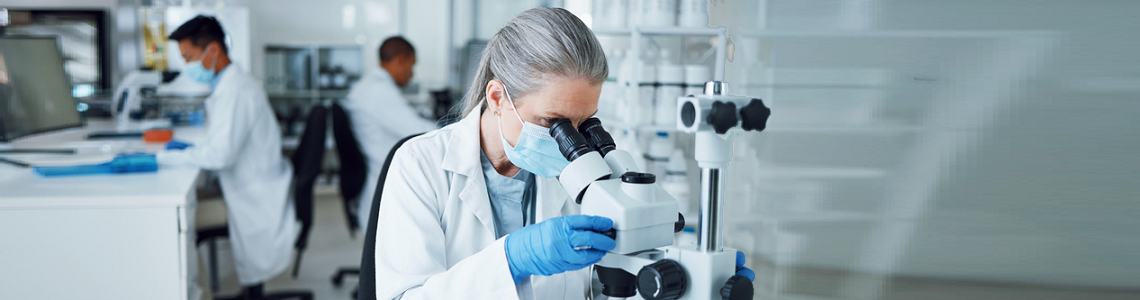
(721, 53)
(712, 202)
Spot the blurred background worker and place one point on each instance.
(243, 145)
(380, 115)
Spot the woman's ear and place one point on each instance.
(496, 97)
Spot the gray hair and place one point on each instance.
(534, 45)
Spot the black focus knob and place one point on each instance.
(737, 288)
(722, 116)
(754, 116)
(662, 280)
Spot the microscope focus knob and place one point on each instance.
(737, 288)
(662, 280)
(722, 116)
(754, 116)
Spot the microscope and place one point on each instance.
(606, 182)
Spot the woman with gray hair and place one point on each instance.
(473, 210)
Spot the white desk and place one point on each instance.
(96, 237)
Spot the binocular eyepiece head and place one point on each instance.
(589, 136)
(597, 136)
(570, 142)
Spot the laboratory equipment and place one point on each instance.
(695, 78)
(670, 85)
(610, 14)
(660, 147)
(644, 112)
(693, 13)
(605, 182)
(676, 182)
(35, 92)
(136, 86)
(658, 13)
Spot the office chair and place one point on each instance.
(306, 167)
(353, 173)
(367, 288)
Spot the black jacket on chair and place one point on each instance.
(353, 165)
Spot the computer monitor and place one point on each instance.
(84, 40)
(35, 92)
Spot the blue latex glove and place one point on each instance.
(547, 248)
(178, 145)
(741, 269)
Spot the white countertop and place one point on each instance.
(22, 188)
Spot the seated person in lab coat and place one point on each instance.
(243, 145)
(380, 116)
(473, 210)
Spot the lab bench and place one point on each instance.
(124, 236)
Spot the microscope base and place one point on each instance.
(705, 272)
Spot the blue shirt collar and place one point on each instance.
(218, 78)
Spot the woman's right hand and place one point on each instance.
(548, 248)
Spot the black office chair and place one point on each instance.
(307, 162)
(353, 173)
(367, 288)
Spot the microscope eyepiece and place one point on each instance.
(571, 143)
(597, 136)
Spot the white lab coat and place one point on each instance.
(380, 118)
(435, 236)
(243, 145)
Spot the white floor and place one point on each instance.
(330, 247)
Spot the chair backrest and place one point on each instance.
(307, 162)
(368, 259)
(353, 164)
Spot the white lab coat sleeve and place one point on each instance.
(411, 253)
(227, 128)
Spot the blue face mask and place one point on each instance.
(536, 151)
(195, 70)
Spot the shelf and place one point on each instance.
(663, 31)
(307, 94)
(292, 94)
(817, 86)
(769, 171)
(891, 33)
(610, 123)
(682, 30)
(865, 129)
(805, 216)
(611, 32)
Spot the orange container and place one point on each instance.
(158, 135)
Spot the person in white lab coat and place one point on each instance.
(243, 145)
(472, 210)
(380, 116)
